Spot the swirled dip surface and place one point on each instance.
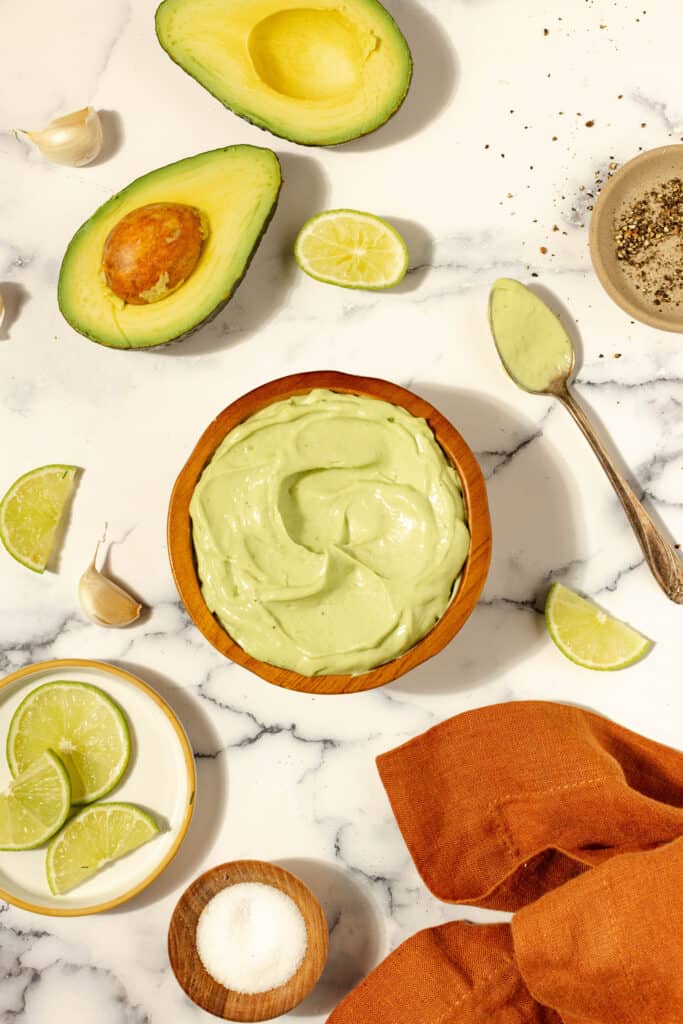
(330, 532)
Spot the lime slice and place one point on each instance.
(351, 249)
(83, 725)
(35, 804)
(30, 513)
(587, 635)
(94, 838)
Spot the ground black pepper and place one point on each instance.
(649, 240)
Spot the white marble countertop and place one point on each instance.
(489, 160)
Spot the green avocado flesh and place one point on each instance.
(236, 191)
(318, 72)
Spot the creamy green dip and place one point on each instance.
(531, 341)
(330, 532)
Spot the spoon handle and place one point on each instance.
(662, 558)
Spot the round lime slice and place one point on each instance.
(351, 249)
(587, 635)
(81, 724)
(35, 804)
(30, 513)
(94, 838)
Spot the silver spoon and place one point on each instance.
(539, 356)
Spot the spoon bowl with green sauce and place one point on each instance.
(538, 355)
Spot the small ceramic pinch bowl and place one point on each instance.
(182, 555)
(630, 183)
(190, 972)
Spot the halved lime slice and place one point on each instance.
(587, 635)
(83, 725)
(35, 804)
(351, 249)
(30, 513)
(94, 838)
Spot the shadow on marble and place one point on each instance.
(435, 76)
(569, 323)
(420, 249)
(113, 136)
(535, 536)
(559, 308)
(212, 789)
(13, 296)
(637, 485)
(356, 931)
(262, 293)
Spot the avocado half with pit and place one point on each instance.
(165, 255)
(318, 72)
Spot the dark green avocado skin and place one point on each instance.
(212, 315)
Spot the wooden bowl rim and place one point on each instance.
(187, 970)
(458, 452)
(603, 258)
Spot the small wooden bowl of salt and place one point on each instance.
(247, 941)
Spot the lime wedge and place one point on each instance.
(83, 725)
(587, 635)
(94, 838)
(35, 804)
(352, 250)
(30, 513)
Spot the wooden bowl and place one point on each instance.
(181, 549)
(210, 994)
(635, 178)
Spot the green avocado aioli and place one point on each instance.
(531, 341)
(330, 532)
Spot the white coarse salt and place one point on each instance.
(251, 937)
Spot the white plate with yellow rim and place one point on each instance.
(160, 777)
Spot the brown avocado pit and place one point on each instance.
(152, 251)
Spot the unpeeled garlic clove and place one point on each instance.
(75, 139)
(104, 601)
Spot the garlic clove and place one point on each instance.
(75, 139)
(2, 310)
(103, 601)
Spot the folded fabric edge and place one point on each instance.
(456, 973)
(555, 863)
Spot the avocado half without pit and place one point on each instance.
(165, 255)
(318, 73)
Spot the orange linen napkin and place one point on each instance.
(608, 947)
(458, 972)
(500, 805)
(503, 805)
